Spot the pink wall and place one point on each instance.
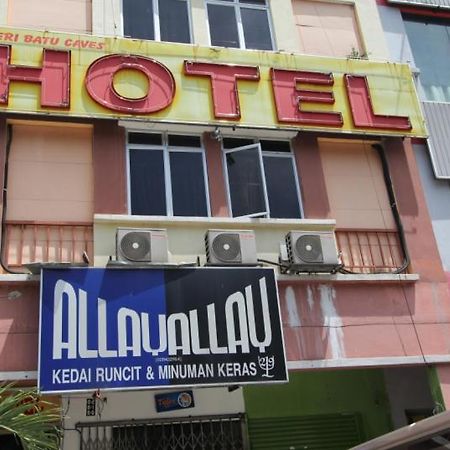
(110, 173)
(55, 15)
(333, 320)
(216, 179)
(373, 320)
(364, 320)
(320, 320)
(19, 324)
(310, 174)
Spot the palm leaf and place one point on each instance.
(34, 424)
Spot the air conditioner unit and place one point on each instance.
(312, 251)
(230, 247)
(141, 245)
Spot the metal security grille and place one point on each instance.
(428, 3)
(193, 433)
(318, 432)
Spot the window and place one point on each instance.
(72, 16)
(357, 193)
(430, 45)
(239, 24)
(51, 180)
(262, 179)
(160, 20)
(327, 29)
(167, 175)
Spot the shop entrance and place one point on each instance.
(226, 432)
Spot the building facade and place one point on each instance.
(270, 117)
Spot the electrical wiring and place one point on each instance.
(5, 201)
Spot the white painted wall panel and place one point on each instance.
(437, 193)
(395, 35)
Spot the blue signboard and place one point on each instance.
(141, 328)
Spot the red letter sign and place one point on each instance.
(362, 109)
(54, 76)
(224, 85)
(289, 99)
(100, 84)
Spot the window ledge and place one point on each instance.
(227, 222)
(351, 278)
(13, 278)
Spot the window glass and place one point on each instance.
(174, 21)
(281, 187)
(145, 138)
(229, 143)
(188, 184)
(256, 29)
(168, 180)
(240, 24)
(148, 193)
(180, 140)
(262, 179)
(430, 45)
(138, 19)
(275, 146)
(223, 26)
(171, 18)
(246, 182)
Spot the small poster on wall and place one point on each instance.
(174, 400)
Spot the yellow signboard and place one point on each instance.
(88, 76)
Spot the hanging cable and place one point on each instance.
(9, 137)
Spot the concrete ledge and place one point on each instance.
(350, 278)
(18, 376)
(12, 278)
(208, 222)
(368, 362)
(314, 277)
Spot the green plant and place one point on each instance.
(356, 54)
(33, 421)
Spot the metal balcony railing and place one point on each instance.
(362, 251)
(370, 251)
(28, 242)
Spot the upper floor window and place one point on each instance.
(327, 29)
(167, 175)
(240, 24)
(261, 178)
(160, 20)
(430, 45)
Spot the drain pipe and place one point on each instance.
(393, 203)
(9, 137)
